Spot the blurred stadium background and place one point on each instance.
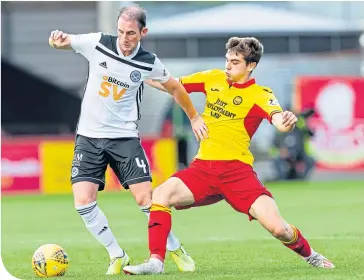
(314, 59)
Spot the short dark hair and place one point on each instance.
(134, 12)
(249, 47)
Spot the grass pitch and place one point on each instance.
(224, 244)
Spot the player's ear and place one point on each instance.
(144, 31)
(252, 66)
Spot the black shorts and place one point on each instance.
(125, 156)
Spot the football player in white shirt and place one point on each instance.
(107, 130)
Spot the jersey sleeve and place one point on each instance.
(85, 43)
(269, 104)
(195, 82)
(159, 72)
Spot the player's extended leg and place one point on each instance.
(87, 178)
(142, 193)
(170, 193)
(85, 194)
(265, 210)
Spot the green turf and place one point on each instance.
(223, 243)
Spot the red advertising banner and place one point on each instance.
(338, 123)
(20, 167)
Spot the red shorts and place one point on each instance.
(213, 180)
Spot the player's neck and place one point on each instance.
(244, 79)
(126, 53)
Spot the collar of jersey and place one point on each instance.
(129, 56)
(243, 85)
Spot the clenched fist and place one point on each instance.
(58, 39)
(289, 119)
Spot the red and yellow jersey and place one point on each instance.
(233, 113)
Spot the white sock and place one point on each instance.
(172, 242)
(96, 222)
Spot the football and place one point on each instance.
(50, 260)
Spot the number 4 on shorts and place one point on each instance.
(141, 164)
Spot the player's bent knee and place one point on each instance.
(142, 193)
(173, 192)
(84, 193)
(143, 199)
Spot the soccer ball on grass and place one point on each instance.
(50, 260)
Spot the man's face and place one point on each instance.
(236, 67)
(129, 34)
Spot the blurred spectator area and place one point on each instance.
(31, 105)
(299, 39)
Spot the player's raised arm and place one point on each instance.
(81, 43)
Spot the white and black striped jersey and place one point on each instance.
(111, 103)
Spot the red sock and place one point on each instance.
(298, 244)
(160, 223)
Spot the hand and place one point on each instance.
(56, 38)
(289, 119)
(199, 128)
